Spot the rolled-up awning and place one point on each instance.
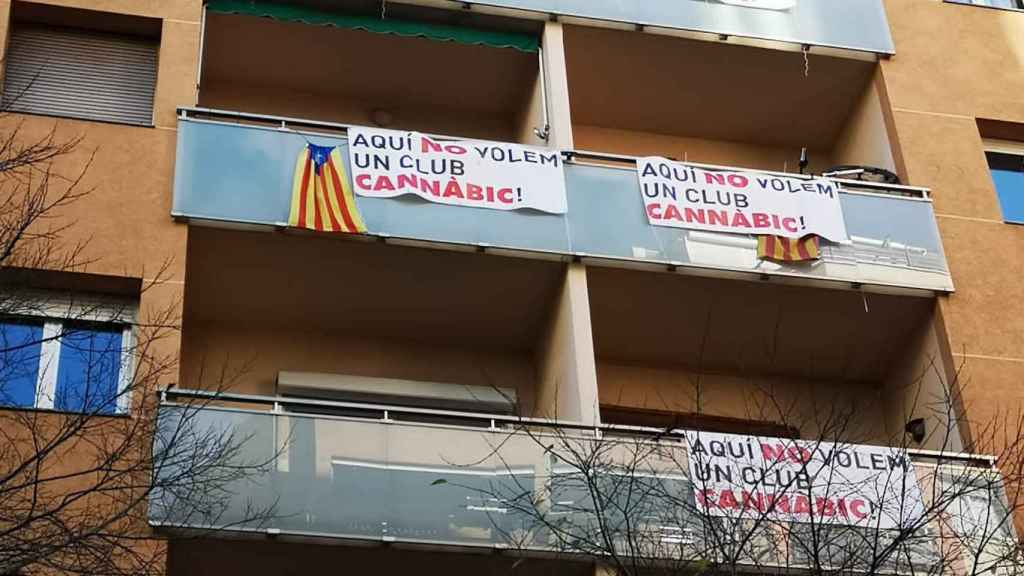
(399, 27)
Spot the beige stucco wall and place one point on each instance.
(830, 410)
(123, 222)
(252, 356)
(256, 99)
(865, 139)
(918, 386)
(699, 150)
(954, 64)
(566, 374)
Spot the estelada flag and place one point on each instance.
(322, 196)
(789, 249)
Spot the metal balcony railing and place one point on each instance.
(387, 473)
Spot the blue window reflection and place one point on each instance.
(1008, 177)
(20, 346)
(89, 369)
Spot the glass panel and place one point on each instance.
(88, 370)
(859, 25)
(20, 346)
(980, 518)
(244, 174)
(1008, 178)
(446, 485)
(360, 479)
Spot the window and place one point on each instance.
(88, 369)
(80, 74)
(20, 346)
(1008, 177)
(1010, 4)
(78, 365)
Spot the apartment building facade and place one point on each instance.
(279, 176)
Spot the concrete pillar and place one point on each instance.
(559, 113)
(567, 379)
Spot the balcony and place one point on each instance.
(440, 71)
(235, 170)
(849, 26)
(441, 479)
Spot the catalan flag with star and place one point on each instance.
(789, 249)
(322, 196)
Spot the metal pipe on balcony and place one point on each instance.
(544, 132)
(290, 123)
(489, 421)
(202, 47)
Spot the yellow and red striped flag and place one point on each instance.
(788, 249)
(322, 196)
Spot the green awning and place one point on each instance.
(409, 28)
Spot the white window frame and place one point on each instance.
(54, 312)
(1003, 146)
(984, 4)
(1008, 148)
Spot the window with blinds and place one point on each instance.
(80, 74)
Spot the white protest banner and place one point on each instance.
(683, 196)
(802, 481)
(388, 163)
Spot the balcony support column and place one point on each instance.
(567, 371)
(557, 86)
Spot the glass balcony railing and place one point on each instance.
(230, 170)
(472, 480)
(860, 25)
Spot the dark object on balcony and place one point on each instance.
(916, 429)
(865, 173)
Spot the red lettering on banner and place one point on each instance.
(474, 192)
(720, 217)
(789, 224)
(363, 181)
(753, 501)
(739, 220)
(408, 181)
(453, 190)
(505, 195)
(383, 183)
(432, 187)
(799, 454)
(672, 213)
(697, 215)
(781, 503)
(857, 508)
(712, 178)
(428, 145)
(772, 453)
(653, 211)
(738, 181)
(703, 498)
(795, 454)
(801, 505)
(727, 500)
(761, 220)
(841, 505)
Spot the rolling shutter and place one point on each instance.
(80, 74)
